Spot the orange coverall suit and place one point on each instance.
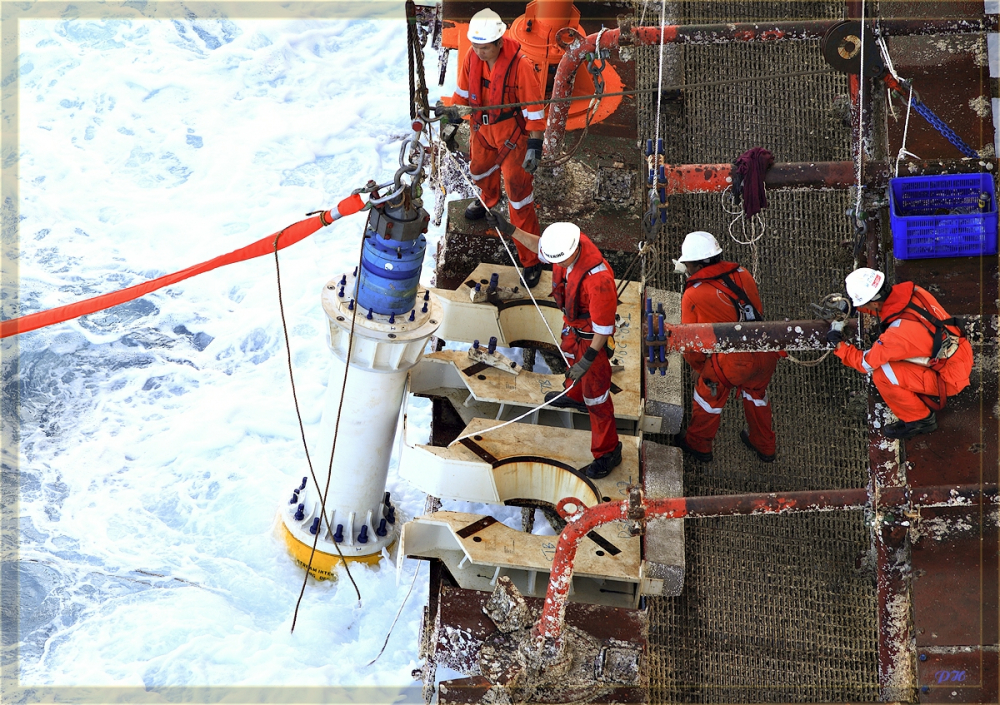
(518, 83)
(707, 300)
(909, 335)
(588, 298)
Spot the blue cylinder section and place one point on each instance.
(390, 273)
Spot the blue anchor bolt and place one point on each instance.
(492, 348)
(381, 530)
(650, 332)
(303, 485)
(391, 518)
(475, 344)
(300, 512)
(424, 309)
(295, 497)
(427, 295)
(413, 315)
(369, 316)
(343, 280)
(350, 306)
(315, 526)
(494, 280)
(339, 535)
(341, 292)
(363, 536)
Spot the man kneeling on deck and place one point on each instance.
(583, 286)
(921, 352)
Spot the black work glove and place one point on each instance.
(448, 113)
(580, 369)
(835, 335)
(533, 156)
(496, 220)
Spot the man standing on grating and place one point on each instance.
(717, 291)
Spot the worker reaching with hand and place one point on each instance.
(504, 141)
(921, 356)
(583, 286)
(717, 291)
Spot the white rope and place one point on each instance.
(861, 112)
(529, 412)
(659, 84)
(906, 130)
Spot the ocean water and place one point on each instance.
(157, 438)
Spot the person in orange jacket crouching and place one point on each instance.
(920, 358)
(583, 286)
(717, 291)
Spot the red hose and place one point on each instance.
(266, 245)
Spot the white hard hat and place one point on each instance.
(698, 246)
(559, 242)
(485, 27)
(863, 284)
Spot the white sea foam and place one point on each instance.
(157, 438)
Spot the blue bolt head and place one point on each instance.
(350, 306)
(391, 517)
(300, 512)
(341, 292)
(295, 497)
(413, 315)
(427, 295)
(363, 536)
(479, 287)
(424, 309)
(923, 657)
(343, 280)
(381, 530)
(355, 272)
(392, 318)
(338, 536)
(315, 526)
(493, 344)
(475, 344)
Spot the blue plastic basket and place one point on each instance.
(930, 216)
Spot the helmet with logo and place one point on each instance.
(485, 27)
(698, 246)
(559, 242)
(863, 285)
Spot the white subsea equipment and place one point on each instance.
(380, 321)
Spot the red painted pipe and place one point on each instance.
(548, 630)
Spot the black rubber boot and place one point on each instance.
(532, 274)
(696, 454)
(603, 466)
(565, 402)
(745, 437)
(475, 210)
(905, 430)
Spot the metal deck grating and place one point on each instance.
(775, 609)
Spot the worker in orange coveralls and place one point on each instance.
(509, 140)
(717, 291)
(920, 358)
(583, 286)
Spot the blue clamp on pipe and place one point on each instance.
(363, 536)
(315, 526)
(381, 530)
(300, 512)
(492, 347)
(339, 535)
